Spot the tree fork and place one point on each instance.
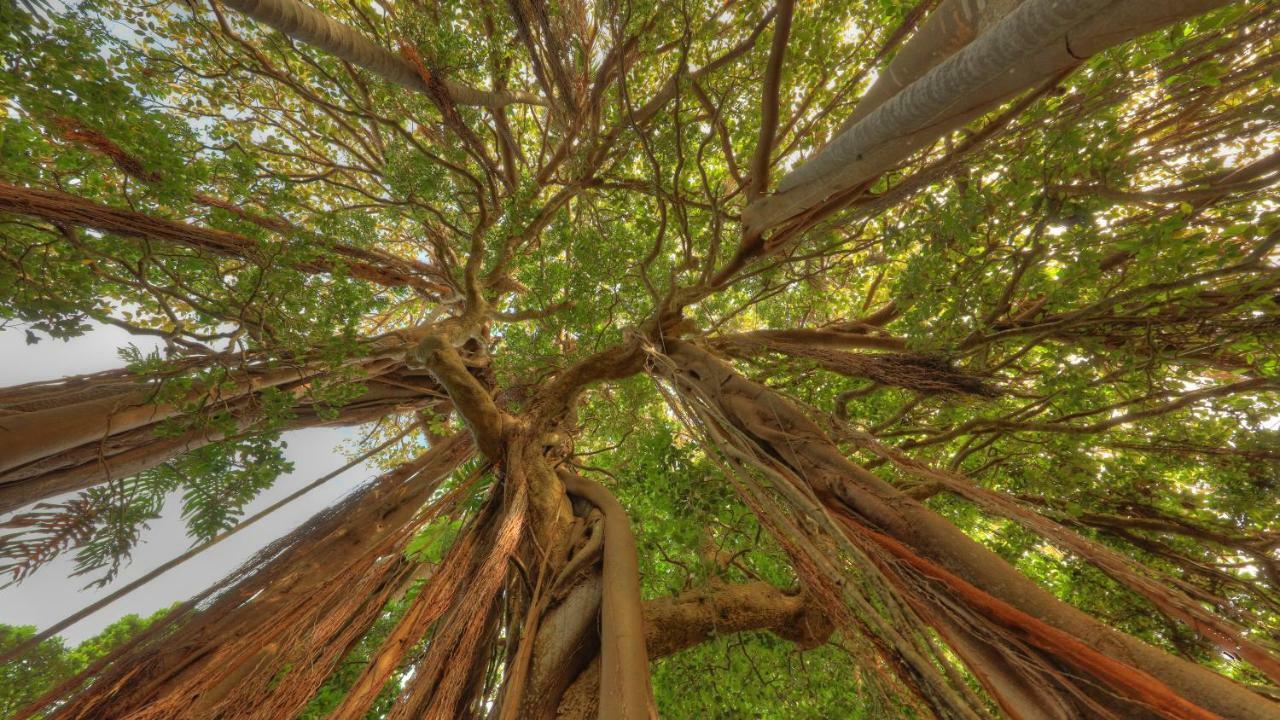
(672, 624)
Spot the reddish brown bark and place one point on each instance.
(783, 432)
(61, 208)
(252, 630)
(1124, 679)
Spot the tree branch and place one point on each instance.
(303, 23)
(759, 179)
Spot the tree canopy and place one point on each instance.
(851, 358)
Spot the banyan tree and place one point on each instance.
(736, 358)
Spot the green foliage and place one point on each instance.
(104, 523)
(760, 676)
(52, 662)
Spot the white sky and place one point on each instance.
(50, 595)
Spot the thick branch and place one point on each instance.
(304, 23)
(1038, 40)
(923, 373)
(471, 399)
(61, 208)
(954, 24)
(672, 624)
(769, 101)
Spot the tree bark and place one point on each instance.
(922, 373)
(1035, 42)
(672, 624)
(287, 587)
(303, 23)
(33, 436)
(61, 208)
(780, 428)
(951, 26)
(625, 693)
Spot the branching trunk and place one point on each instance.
(425, 217)
(781, 431)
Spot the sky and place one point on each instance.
(50, 595)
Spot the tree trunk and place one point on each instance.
(782, 430)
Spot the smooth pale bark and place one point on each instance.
(1018, 36)
(1036, 42)
(951, 26)
(777, 424)
(306, 24)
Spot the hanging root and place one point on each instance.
(762, 430)
(625, 693)
(243, 654)
(1125, 680)
(443, 683)
(1169, 599)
